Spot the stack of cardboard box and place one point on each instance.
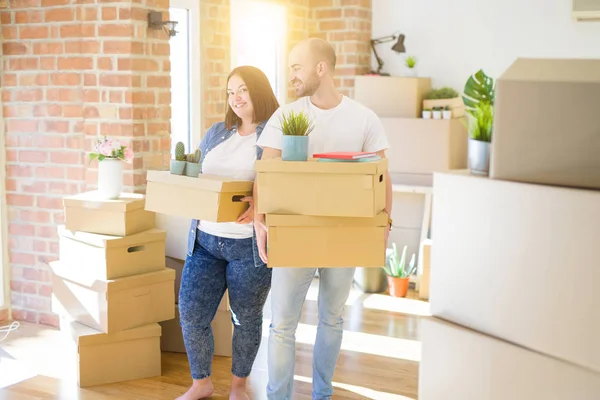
(333, 209)
(111, 287)
(515, 263)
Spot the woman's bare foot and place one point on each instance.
(200, 389)
(238, 389)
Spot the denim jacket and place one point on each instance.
(216, 135)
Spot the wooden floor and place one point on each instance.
(379, 359)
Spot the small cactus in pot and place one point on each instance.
(179, 163)
(193, 166)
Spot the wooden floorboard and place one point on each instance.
(378, 360)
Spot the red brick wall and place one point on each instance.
(73, 71)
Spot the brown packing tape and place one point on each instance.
(115, 285)
(127, 202)
(208, 182)
(108, 241)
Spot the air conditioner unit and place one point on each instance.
(586, 10)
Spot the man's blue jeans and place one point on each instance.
(216, 264)
(289, 289)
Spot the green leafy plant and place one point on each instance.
(396, 265)
(180, 151)
(193, 157)
(442, 93)
(481, 122)
(411, 61)
(296, 124)
(446, 108)
(479, 88)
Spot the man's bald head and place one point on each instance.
(317, 50)
(312, 62)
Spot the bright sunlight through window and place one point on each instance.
(258, 38)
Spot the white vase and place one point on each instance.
(110, 178)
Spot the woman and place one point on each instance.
(223, 255)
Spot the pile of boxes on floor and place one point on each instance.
(335, 209)
(515, 266)
(111, 287)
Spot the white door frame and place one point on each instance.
(193, 7)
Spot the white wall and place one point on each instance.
(454, 38)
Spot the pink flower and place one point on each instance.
(106, 148)
(128, 155)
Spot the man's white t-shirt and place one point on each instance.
(349, 126)
(235, 159)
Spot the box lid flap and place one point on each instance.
(109, 241)
(118, 284)
(553, 70)
(275, 220)
(125, 203)
(314, 166)
(83, 335)
(213, 183)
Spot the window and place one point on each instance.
(258, 38)
(185, 75)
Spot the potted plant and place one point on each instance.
(178, 164)
(398, 275)
(411, 63)
(447, 113)
(437, 113)
(110, 154)
(445, 97)
(192, 164)
(295, 127)
(426, 113)
(479, 96)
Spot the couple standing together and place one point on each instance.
(233, 255)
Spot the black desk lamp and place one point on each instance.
(398, 47)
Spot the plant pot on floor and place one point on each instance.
(177, 167)
(294, 148)
(110, 178)
(398, 286)
(192, 169)
(479, 157)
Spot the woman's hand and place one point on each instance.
(261, 238)
(248, 215)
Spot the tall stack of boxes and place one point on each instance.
(516, 262)
(335, 209)
(111, 287)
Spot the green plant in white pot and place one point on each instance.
(178, 164)
(479, 96)
(296, 128)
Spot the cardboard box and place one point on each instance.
(520, 262)
(305, 241)
(120, 217)
(426, 273)
(87, 257)
(460, 364)
(177, 265)
(392, 96)
(102, 358)
(115, 305)
(456, 104)
(546, 125)
(172, 337)
(333, 189)
(207, 197)
(421, 146)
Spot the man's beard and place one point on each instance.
(308, 87)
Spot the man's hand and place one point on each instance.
(248, 215)
(261, 238)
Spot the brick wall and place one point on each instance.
(72, 71)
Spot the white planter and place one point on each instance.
(410, 72)
(437, 114)
(110, 178)
(447, 114)
(426, 114)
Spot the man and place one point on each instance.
(341, 124)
